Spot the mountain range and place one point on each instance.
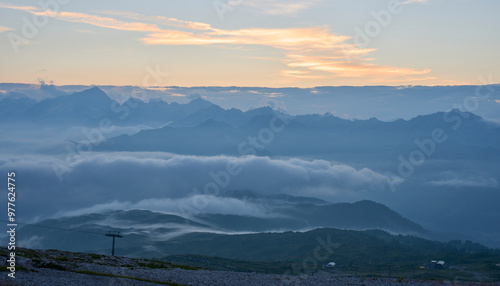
(442, 165)
(322, 136)
(290, 213)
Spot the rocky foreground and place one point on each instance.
(53, 267)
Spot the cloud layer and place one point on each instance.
(162, 181)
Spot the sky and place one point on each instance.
(281, 43)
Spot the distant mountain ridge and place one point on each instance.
(288, 214)
(88, 107)
(319, 135)
(223, 130)
(367, 250)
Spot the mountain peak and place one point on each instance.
(465, 114)
(92, 93)
(199, 100)
(199, 103)
(94, 89)
(442, 115)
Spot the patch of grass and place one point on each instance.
(28, 253)
(154, 265)
(47, 264)
(187, 267)
(61, 258)
(4, 268)
(201, 262)
(95, 256)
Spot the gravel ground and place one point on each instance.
(56, 277)
(195, 277)
(53, 267)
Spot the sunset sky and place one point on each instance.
(250, 43)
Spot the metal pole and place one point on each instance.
(114, 235)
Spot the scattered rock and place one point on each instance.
(24, 262)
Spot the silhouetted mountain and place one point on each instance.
(213, 112)
(12, 109)
(324, 135)
(154, 113)
(287, 213)
(360, 215)
(233, 116)
(85, 107)
(165, 235)
(89, 107)
(294, 213)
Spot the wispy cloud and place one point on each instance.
(452, 179)
(414, 1)
(83, 31)
(220, 205)
(471, 182)
(173, 22)
(308, 53)
(104, 22)
(280, 7)
(16, 7)
(338, 65)
(286, 39)
(4, 29)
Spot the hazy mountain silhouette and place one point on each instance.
(90, 106)
(318, 135)
(294, 215)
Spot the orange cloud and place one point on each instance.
(308, 53)
(287, 39)
(299, 74)
(341, 67)
(104, 22)
(14, 7)
(291, 38)
(161, 20)
(4, 29)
